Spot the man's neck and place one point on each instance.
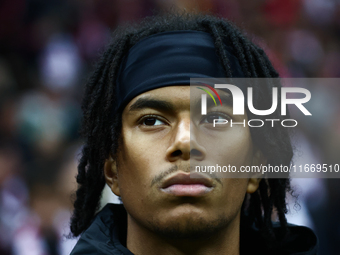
(143, 241)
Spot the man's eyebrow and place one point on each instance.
(226, 98)
(157, 104)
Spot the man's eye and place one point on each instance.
(218, 117)
(152, 121)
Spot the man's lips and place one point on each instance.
(182, 184)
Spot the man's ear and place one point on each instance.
(254, 181)
(111, 175)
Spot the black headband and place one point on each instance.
(167, 59)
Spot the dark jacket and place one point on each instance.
(107, 235)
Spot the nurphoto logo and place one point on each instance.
(239, 103)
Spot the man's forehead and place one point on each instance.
(171, 97)
(166, 98)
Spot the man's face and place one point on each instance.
(159, 142)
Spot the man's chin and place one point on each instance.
(190, 228)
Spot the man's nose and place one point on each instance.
(184, 144)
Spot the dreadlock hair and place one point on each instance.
(101, 129)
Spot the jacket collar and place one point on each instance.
(107, 235)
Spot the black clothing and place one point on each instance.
(107, 235)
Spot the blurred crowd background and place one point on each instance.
(47, 50)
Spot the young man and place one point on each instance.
(140, 139)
